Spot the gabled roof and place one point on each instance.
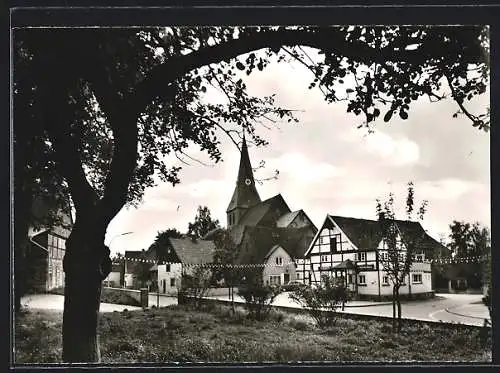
(193, 252)
(363, 233)
(285, 220)
(366, 234)
(245, 193)
(257, 213)
(256, 242)
(134, 254)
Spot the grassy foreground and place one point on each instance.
(178, 334)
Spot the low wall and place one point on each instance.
(388, 298)
(213, 292)
(136, 294)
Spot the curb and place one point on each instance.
(462, 315)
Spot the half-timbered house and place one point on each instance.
(353, 250)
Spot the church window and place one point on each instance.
(279, 261)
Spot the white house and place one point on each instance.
(353, 249)
(178, 258)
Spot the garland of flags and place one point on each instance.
(470, 259)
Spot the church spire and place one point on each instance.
(245, 193)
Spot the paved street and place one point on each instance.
(456, 308)
(56, 302)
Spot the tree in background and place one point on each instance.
(399, 245)
(225, 257)
(470, 240)
(141, 91)
(203, 223)
(160, 243)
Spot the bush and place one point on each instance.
(258, 299)
(322, 302)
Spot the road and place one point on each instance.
(454, 308)
(56, 302)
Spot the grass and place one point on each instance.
(110, 296)
(180, 334)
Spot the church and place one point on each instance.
(266, 232)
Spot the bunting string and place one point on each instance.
(471, 259)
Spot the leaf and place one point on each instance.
(240, 66)
(403, 114)
(388, 116)
(349, 90)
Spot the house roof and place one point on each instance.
(346, 264)
(366, 234)
(257, 242)
(285, 220)
(193, 252)
(254, 215)
(134, 254)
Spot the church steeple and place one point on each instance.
(245, 193)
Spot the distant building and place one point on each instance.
(45, 253)
(352, 249)
(176, 259)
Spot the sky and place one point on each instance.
(328, 166)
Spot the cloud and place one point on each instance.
(396, 150)
(299, 167)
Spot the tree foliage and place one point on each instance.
(469, 240)
(258, 297)
(322, 302)
(196, 284)
(225, 257)
(202, 224)
(160, 244)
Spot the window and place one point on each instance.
(324, 258)
(274, 280)
(385, 280)
(418, 257)
(384, 256)
(417, 278)
(279, 261)
(167, 268)
(361, 256)
(333, 244)
(320, 240)
(362, 280)
(172, 281)
(401, 257)
(298, 275)
(350, 279)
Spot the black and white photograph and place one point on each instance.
(251, 194)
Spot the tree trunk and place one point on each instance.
(399, 315)
(86, 264)
(394, 308)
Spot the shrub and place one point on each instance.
(258, 299)
(322, 302)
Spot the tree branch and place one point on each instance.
(159, 81)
